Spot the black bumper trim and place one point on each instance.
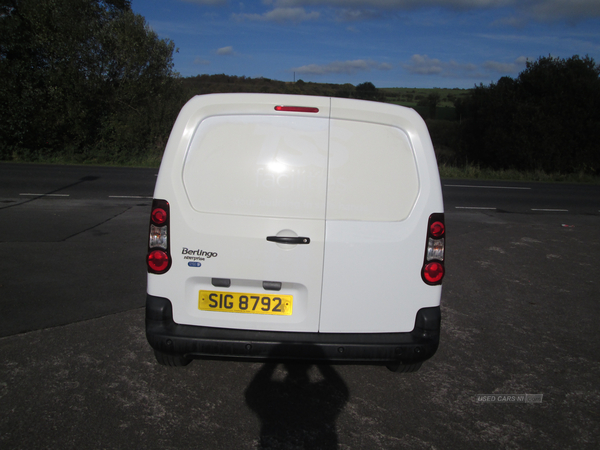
(339, 348)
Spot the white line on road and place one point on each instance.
(45, 195)
(474, 207)
(486, 187)
(550, 210)
(127, 196)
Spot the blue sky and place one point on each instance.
(391, 43)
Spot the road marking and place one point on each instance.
(475, 207)
(487, 187)
(550, 210)
(127, 196)
(44, 195)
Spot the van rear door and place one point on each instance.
(255, 182)
(382, 185)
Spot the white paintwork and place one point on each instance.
(372, 274)
(359, 178)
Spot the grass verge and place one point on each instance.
(469, 172)
(149, 161)
(473, 172)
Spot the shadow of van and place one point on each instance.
(297, 404)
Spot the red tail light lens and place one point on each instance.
(433, 270)
(159, 260)
(437, 229)
(159, 216)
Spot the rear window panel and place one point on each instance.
(301, 167)
(268, 166)
(372, 172)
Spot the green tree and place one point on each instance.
(80, 77)
(344, 91)
(431, 102)
(367, 91)
(545, 119)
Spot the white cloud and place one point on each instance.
(539, 10)
(563, 9)
(225, 51)
(517, 12)
(424, 65)
(209, 2)
(510, 68)
(280, 15)
(392, 4)
(342, 67)
(356, 15)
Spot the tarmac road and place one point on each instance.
(520, 313)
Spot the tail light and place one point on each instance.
(158, 259)
(433, 265)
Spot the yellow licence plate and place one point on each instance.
(239, 302)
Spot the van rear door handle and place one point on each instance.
(289, 239)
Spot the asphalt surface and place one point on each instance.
(520, 312)
(75, 240)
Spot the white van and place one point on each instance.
(296, 228)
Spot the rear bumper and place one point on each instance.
(337, 348)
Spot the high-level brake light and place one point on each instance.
(433, 264)
(305, 109)
(159, 260)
